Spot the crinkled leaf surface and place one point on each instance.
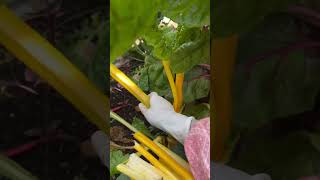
(192, 13)
(278, 86)
(198, 111)
(116, 158)
(191, 53)
(289, 156)
(236, 16)
(151, 77)
(129, 20)
(186, 46)
(195, 85)
(123, 177)
(87, 48)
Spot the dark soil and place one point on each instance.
(120, 96)
(43, 113)
(27, 117)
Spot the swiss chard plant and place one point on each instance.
(275, 86)
(173, 40)
(180, 49)
(38, 54)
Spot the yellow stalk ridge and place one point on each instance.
(179, 86)
(127, 83)
(122, 121)
(129, 172)
(181, 171)
(176, 157)
(40, 56)
(166, 65)
(170, 175)
(223, 53)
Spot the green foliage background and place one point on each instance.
(276, 87)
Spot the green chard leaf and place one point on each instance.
(129, 20)
(193, 50)
(196, 85)
(123, 177)
(279, 85)
(140, 126)
(87, 48)
(289, 156)
(192, 13)
(116, 158)
(151, 78)
(198, 111)
(196, 89)
(237, 16)
(185, 47)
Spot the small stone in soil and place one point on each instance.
(118, 134)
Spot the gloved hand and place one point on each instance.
(162, 115)
(100, 143)
(219, 171)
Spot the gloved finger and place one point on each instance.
(162, 103)
(143, 108)
(153, 94)
(155, 99)
(100, 143)
(159, 102)
(261, 177)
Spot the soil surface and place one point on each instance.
(27, 117)
(125, 105)
(34, 112)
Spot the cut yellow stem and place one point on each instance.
(129, 172)
(122, 121)
(12, 170)
(179, 86)
(167, 158)
(40, 56)
(223, 57)
(127, 83)
(181, 161)
(139, 169)
(181, 171)
(170, 175)
(166, 66)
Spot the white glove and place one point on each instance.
(220, 171)
(100, 144)
(162, 115)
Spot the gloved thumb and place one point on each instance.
(100, 143)
(261, 177)
(143, 108)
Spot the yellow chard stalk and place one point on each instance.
(168, 175)
(179, 87)
(166, 66)
(181, 171)
(137, 168)
(129, 172)
(223, 53)
(176, 157)
(40, 56)
(127, 83)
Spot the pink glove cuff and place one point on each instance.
(197, 148)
